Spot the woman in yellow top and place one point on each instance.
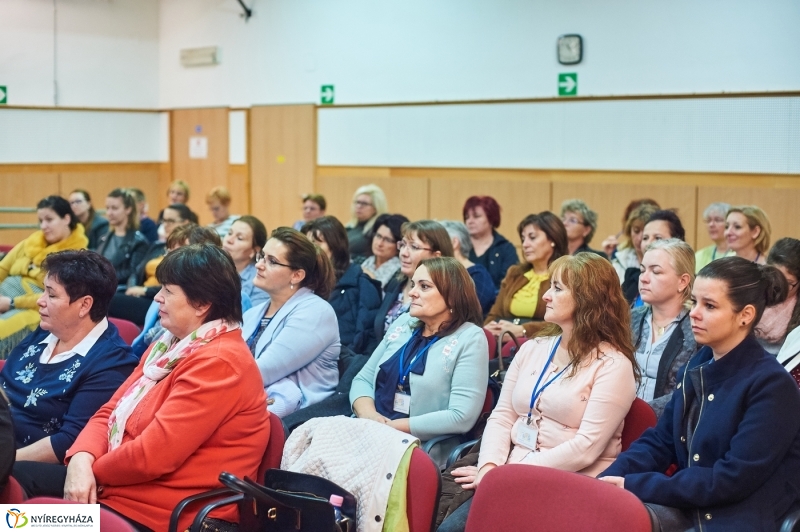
(519, 307)
(714, 218)
(21, 276)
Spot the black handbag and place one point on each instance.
(291, 501)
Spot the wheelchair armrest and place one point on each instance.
(428, 445)
(791, 522)
(176, 513)
(197, 524)
(458, 452)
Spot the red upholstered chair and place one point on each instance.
(5, 248)
(127, 329)
(2, 363)
(492, 339)
(510, 348)
(640, 417)
(524, 497)
(423, 489)
(12, 493)
(109, 521)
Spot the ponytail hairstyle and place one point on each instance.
(748, 284)
(302, 254)
(786, 253)
(128, 202)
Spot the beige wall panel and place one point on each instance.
(239, 187)
(354, 171)
(102, 181)
(282, 161)
(407, 196)
(23, 189)
(782, 206)
(610, 199)
(200, 174)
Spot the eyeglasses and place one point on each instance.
(714, 221)
(170, 221)
(385, 239)
(412, 247)
(791, 285)
(270, 261)
(359, 203)
(571, 220)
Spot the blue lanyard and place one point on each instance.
(538, 391)
(403, 375)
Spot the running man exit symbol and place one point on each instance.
(568, 84)
(326, 95)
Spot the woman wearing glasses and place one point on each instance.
(386, 233)
(294, 336)
(581, 223)
(714, 218)
(369, 202)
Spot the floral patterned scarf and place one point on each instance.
(163, 357)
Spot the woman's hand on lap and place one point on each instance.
(80, 485)
(617, 481)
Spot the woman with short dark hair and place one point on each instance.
(384, 263)
(490, 249)
(63, 372)
(21, 273)
(194, 404)
(519, 307)
(731, 426)
(294, 336)
(355, 298)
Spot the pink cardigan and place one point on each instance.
(579, 419)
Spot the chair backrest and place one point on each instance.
(492, 339)
(512, 497)
(274, 452)
(127, 330)
(423, 489)
(510, 348)
(12, 493)
(2, 363)
(109, 521)
(640, 417)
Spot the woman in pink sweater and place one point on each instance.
(566, 395)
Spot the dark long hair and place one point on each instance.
(61, 207)
(786, 253)
(552, 226)
(88, 199)
(301, 254)
(331, 231)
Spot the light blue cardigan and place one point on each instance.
(298, 352)
(448, 397)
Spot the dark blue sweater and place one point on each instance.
(500, 256)
(741, 468)
(356, 299)
(57, 400)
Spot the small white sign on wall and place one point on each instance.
(198, 147)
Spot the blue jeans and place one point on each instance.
(456, 521)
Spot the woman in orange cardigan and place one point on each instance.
(519, 307)
(193, 407)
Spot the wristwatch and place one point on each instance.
(11, 305)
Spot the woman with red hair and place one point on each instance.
(489, 248)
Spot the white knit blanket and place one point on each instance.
(359, 455)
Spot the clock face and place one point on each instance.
(570, 49)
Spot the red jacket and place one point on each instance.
(207, 416)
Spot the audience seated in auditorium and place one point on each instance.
(314, 206)
(581, 224)
(7, 449)
(146, 225)
(628, 254)
(193, 407)
(714, 218)
(490, 249)
(519, 307)
(133, 304)
(94, 225)
(384, 263)
(733, 431)
(781, 319)
(355, 298)
(218, 200)
(245, 239)
(462, 245)
(64, 371)
(614, 242)
(178, 192)
(429, 374)
(294, 336)
(661, 224)
(566, 393)
(123, 245)
(369, 202)
(21, 273)
(661, 328)
(747, 230)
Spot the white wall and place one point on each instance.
(102, 53)
(423, 50)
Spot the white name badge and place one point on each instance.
(402, 403)
(527, 435)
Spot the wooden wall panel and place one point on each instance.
(200, 174)
(23, 189)
(100, 182)
(239, 187)
(283, 158)
(782, 206)
(408, 196)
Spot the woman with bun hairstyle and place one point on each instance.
(731, 426)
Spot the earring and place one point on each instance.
(552, 245)
(451, 311)
(291, 285)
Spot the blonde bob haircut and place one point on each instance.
(756, 218)
(378, 202)
(681, 256)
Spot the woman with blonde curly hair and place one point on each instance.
(747, 230)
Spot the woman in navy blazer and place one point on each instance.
(732, 426)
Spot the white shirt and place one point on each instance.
(81, 348)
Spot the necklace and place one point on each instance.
(659, 329)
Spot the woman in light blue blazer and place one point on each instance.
(429, 374)
(294, 335)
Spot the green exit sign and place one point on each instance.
(326, 95)
(3, 95)
(568, 84)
